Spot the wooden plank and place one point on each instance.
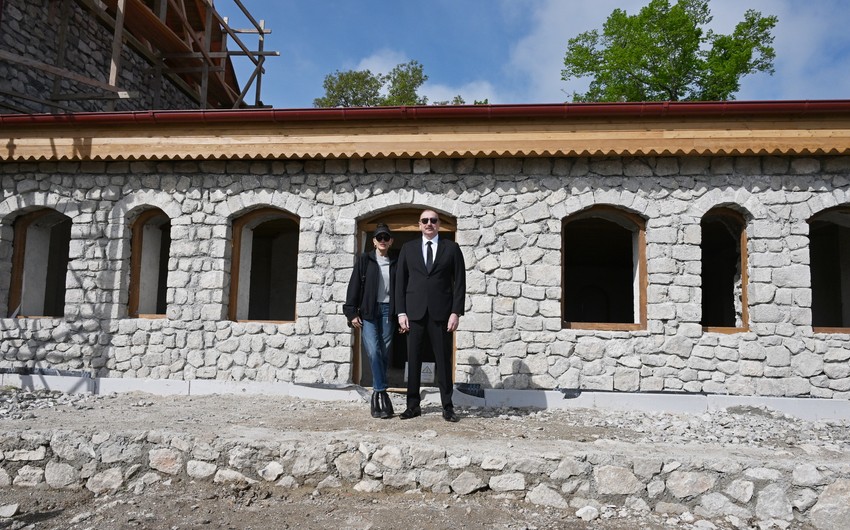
(32, 63)
(351, 140)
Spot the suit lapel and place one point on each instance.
(441, 251)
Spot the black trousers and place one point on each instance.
(441, 343)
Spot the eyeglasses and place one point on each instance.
(432, 220)
(382, 237)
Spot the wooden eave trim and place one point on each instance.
(428, 139)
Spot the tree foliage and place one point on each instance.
(664, 54)
(362, 88)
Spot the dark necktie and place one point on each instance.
(429, 257)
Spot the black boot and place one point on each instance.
(386, 405)
(376, 404)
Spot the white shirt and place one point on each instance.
(434, 243)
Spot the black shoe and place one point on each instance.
(449, 415)
(410, 413)
(386, 405)
(376, 405)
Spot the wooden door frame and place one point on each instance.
(398, 220)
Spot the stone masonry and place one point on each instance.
(509, 215)
(30, 28)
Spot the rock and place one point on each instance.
(832, 510)
(570, 467)
(271, 472)
(588, 513)
(636, 504)
(400, 479)
(687, 484)
(437, 481)
(493, 463)
(25, 455)
(718, 505)
(428, 456)
(61, 476)
(168, 461)
(8, 510)
(613, 480)
(229, 475)
(348, 465)
(467, 482)
(330, 482)
(5, 480)
(772, 503)
(369, 486)
(655, 488)
(287, 482)
(543, 495)
(106, 481)
(740, 490)
(200, 470)
(508, 482)
(807, 475)
(389, 457)
(29, 476)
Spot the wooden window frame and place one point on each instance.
(19, 252)
(826, 330)
(235, 257)
(136, 246)
(745, 272)
(640, 224)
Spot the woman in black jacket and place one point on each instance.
(369, 307)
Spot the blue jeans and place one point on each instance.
(377, 338)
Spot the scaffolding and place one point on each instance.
(185, 41)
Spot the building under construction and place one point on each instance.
(114, 55)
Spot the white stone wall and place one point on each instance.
(509, 214)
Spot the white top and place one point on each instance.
(383, 279)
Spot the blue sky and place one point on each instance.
(511, 51)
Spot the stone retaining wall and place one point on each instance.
(741, 489)
(509, 215)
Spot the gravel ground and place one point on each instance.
(180, 503)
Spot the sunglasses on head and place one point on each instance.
(432, 220)
(382, 237)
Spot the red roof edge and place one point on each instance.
(562, 110)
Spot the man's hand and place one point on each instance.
(356, 323)
(454, 320)
(403, 325)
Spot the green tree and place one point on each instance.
(402, 84)
(664, 54)
(362, 88)
(352, 88)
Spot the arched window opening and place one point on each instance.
(829, 265)
(724, 271)
(264, 266)
(150, 250)
(604, 272)
(39, 264)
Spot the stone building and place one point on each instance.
(656, 247)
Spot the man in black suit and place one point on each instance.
(430, 291)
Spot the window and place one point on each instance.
(264, 266)
(150, 249)
(604, 274)
(724, 271)
(829, 259)
(39, 264)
